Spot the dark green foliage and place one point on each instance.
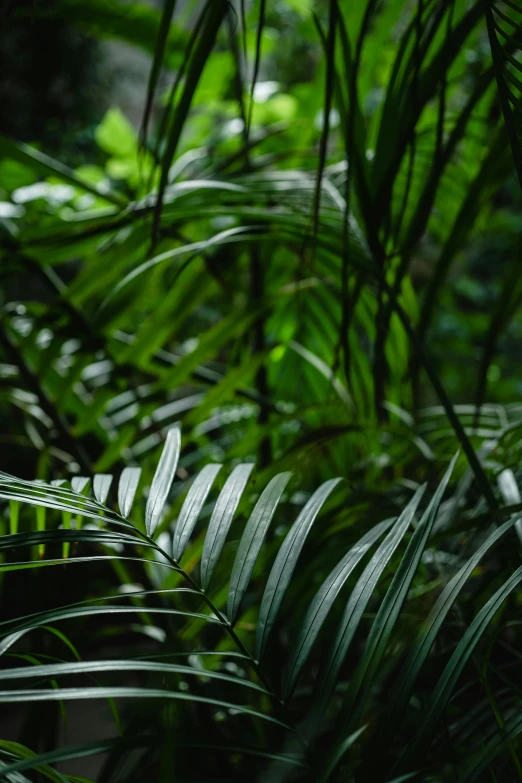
(260, 397)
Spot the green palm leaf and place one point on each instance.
(127, 487)
(357, 604)
(162, 480)
(285, 564)
(192, 507)
(252, 541)
(221, 520)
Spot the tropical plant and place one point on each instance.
(290, 260)
(197, 613)
(313, 264)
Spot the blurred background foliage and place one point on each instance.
(326, 368)
(292, 227)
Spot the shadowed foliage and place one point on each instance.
(259, 382)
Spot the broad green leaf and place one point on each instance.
(223, 391)
(285, 563)
(127, 487)
(323, 368)
(57, 490)
(191, 508)
(116, 136)
(93, 667)
(231, 235)
(221, 520)
(252, 541)
(24, 565)
(15, 777)
(162, 480)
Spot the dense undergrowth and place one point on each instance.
(260, 400)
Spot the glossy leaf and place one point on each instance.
(162, 480)
(359, 600)
(101, 485)
(221, 520)
(127, 487)
(285, 564)
(323, 602)
(191, 508)
(252, 541)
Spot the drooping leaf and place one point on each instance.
(115, 692)
(52, 671)
(9, 627)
